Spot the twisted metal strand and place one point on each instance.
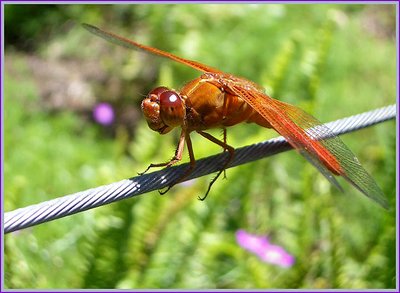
(91, 198)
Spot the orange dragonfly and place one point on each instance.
(217, 100)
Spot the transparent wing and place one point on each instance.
(113, 38)
(315, 141)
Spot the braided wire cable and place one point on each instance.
(102, 195)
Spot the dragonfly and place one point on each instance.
(218, 100)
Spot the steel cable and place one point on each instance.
(91, 198)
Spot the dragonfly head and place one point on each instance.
(163, 109)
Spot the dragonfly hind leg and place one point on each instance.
(226, 147)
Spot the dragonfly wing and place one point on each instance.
(121, 41)
(351, 169)
(315, 141)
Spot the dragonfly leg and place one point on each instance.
(224, 114)
(226, 147)
(184, 137)
(176, 158)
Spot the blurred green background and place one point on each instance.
(331, 60)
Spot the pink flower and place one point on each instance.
(103, 113)
(251, 242)
(276, 255)
(267, 252)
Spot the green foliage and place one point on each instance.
(332, 60)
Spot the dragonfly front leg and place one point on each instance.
(178, 154)
(176, 158)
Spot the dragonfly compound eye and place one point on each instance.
(172, 108)
(154, 95)
(151, 110)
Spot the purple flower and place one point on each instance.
(103, 113)
(251, 242)
(276, 255)
(267, 252)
